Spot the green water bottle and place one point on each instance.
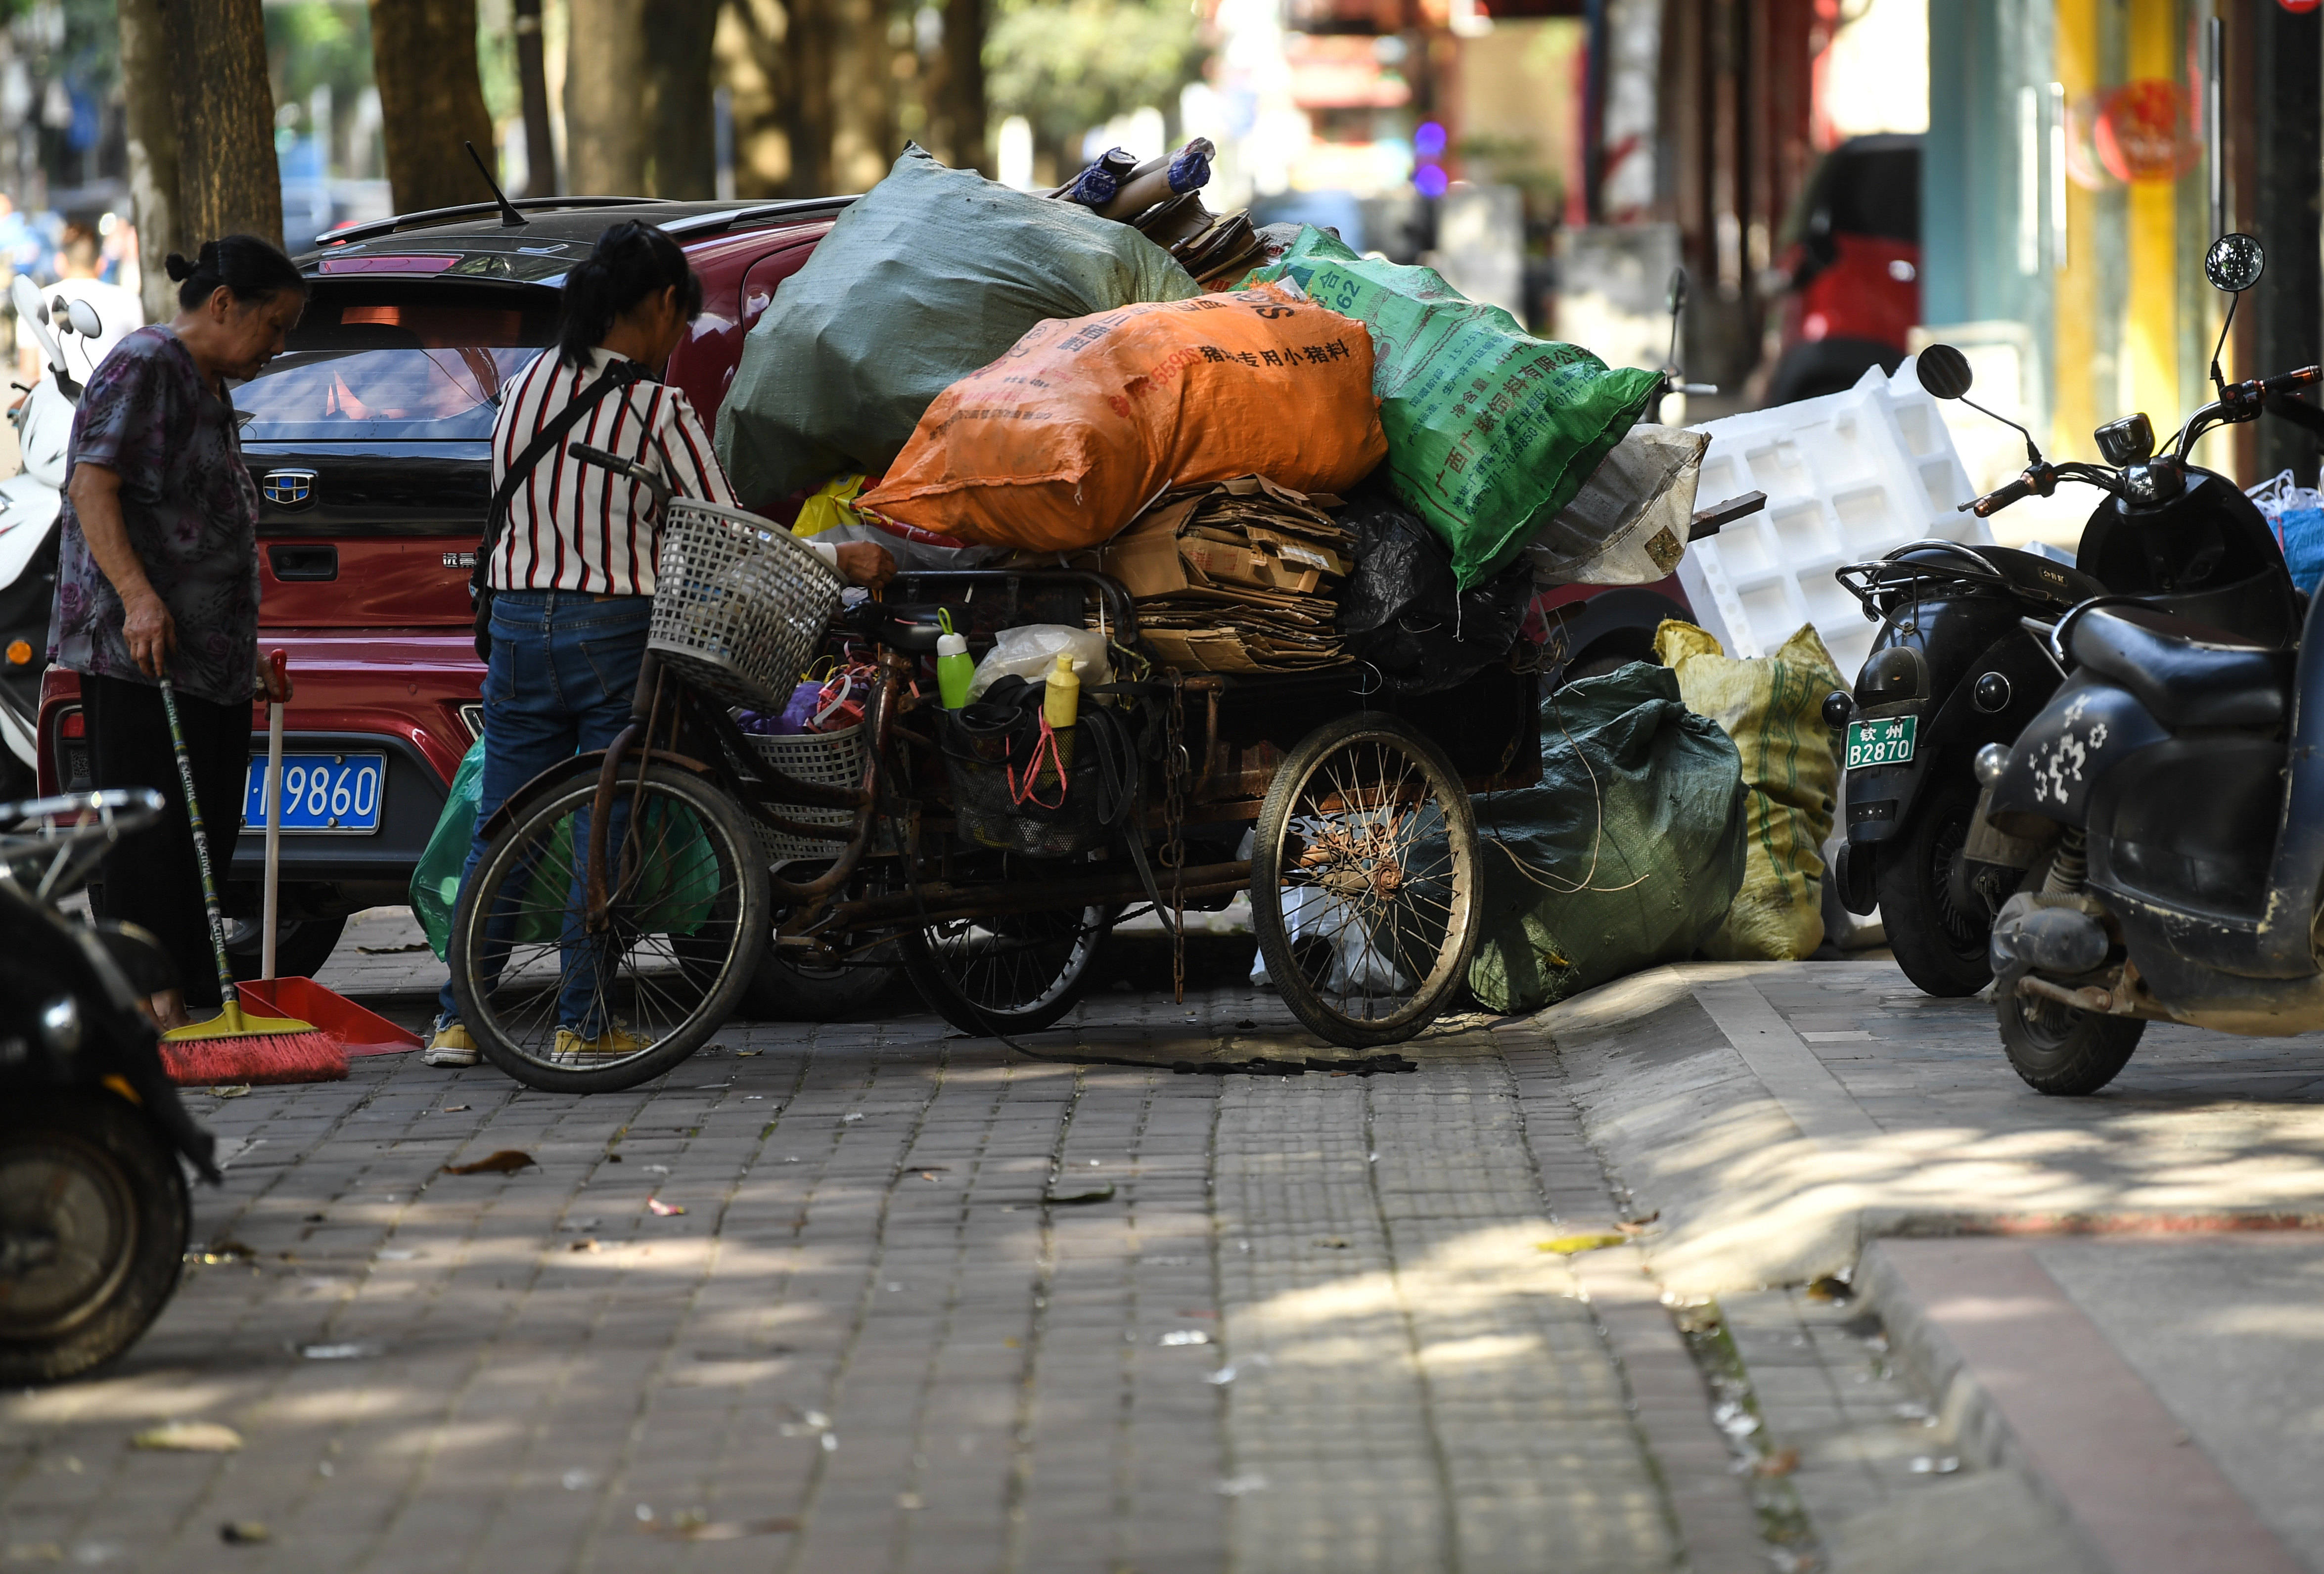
(954, 666)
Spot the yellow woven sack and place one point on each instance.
(832, 506)
(1772, 707)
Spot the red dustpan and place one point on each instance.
(355, 1030)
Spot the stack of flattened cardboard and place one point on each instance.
(1239, 576)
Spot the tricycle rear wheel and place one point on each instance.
(1363, 882)
(1017, 973)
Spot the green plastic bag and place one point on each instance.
(1491, 431)
(436, 879)
(931, 274)
(1626, 854)
(675, 891)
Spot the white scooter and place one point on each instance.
(28, 503)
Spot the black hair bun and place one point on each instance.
(177, 268)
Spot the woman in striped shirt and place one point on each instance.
(573, 569)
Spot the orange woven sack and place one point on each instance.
(1062, 441)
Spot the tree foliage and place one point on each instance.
(1070, 66)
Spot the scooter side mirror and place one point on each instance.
(1944, 371)
(32, 315)
(2235, 262)
(84, 319)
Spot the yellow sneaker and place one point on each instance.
(451, 1047)
(614, 1044)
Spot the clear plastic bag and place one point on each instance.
(1030, 652)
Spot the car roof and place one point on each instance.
(556, 232)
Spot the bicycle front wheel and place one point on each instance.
(567, 1010)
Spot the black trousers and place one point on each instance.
(152, 879)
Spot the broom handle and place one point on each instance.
(226, 991)
(276, 661)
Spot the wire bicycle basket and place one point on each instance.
(740, 602)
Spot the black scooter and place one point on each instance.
(2177, 778)
(1954, 669)
(94, 1214)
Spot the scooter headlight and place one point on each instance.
(60, 1025)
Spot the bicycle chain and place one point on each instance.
(1174, 816)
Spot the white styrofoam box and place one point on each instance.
(1848, 476)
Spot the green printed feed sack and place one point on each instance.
(1772, 707)
(1626, 854)
(929, 275)
(1491, 431)
(673, 895)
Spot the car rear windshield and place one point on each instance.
(396, 364)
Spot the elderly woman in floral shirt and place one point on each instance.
(157, 571)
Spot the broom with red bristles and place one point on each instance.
(234, 1046)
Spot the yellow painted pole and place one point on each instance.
(2150, 338)
(2078, 404)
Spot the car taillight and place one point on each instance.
(72, 726)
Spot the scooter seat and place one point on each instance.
(2186, 674)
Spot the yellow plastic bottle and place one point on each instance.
(1061, 702)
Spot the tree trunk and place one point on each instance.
(430, 100)
(149, 88)
(676, 50)
(227, 179)
(532, 79)
(749, 53)
(863, 114)
(606, 99)
(960, 97)
(809, 58)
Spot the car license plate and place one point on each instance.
(320, 792)
(1887, 741)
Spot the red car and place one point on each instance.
(370, 441)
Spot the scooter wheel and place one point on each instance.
(93, 1224)
(1941, 947)
(2061, 1051)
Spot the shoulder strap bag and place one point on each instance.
(622, 374)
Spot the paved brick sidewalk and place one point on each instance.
(1310, 1327)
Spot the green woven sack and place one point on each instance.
(1491, 431)
(1626, 853)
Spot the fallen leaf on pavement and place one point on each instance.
(230, 1090)
(392, 950)
(245, 1532)
(454, 1109)
(1782, 1462)
(666, 1209)
(583, 1246)
(1076, 1199)
(188, 1437)
(506, 1161)
(222, 1251)
(1566, 1245)
(733, 1530)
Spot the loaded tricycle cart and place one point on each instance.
(624, 899)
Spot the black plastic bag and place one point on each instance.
(1401, 610)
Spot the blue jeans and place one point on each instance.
(563, 669)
